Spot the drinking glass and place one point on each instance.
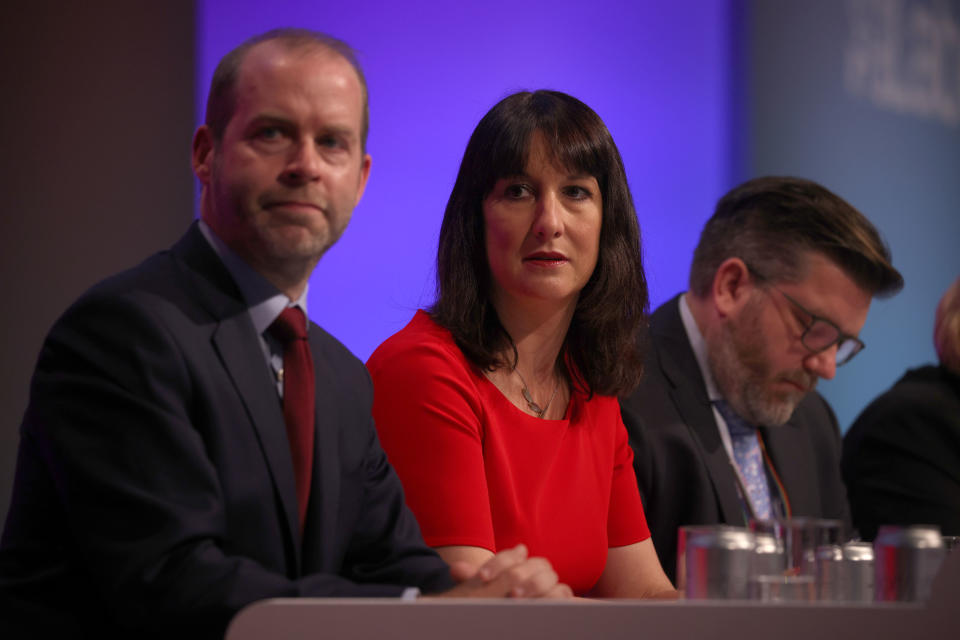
(799, 546)
(783, 588)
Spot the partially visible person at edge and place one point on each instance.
(157, 491)
(498, 405)
(726, 425)
(901, 457)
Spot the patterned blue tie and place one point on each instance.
(749, 459)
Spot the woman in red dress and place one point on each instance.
(497, 407)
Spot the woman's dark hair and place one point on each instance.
(604, 347)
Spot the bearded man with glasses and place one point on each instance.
(726, 424)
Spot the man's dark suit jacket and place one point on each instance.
(901, 457)
(682, 468)
(154, 491)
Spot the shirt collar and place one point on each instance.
(264, 301)
(699, 346)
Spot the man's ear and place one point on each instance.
(364, 176)
(203, 149)
(732, 285)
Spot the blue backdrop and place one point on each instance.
(864, 97)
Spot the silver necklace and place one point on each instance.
(533, 406)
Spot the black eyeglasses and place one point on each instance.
(820, 334)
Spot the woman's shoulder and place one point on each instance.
(422, 343)
(420, 368)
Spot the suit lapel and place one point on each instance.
(237, 344)
(793, 461)
(324, 502)
(689, 395)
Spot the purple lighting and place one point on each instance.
(657, 73)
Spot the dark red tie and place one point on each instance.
(290, 328)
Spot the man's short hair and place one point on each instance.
(222, 102)
(773, 223)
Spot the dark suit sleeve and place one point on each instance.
(901, 457)
(645, 468)
(818, 421)
(674, 483)
(117, 487)
(386, 546)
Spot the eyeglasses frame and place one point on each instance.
(814, 319)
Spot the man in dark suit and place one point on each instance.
(726, 424)
(901, 457)
(157, 489)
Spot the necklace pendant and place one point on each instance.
(531, 404)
